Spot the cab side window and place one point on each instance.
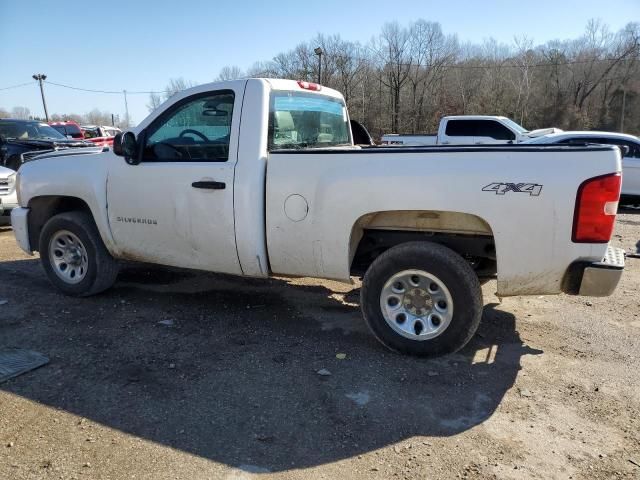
(495, 130)
(196, 129)
(478, 128)
(461, 128)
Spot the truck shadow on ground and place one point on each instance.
(226, 368)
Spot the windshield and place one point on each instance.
(68, 129)
(307, 120)
(29, 131)
(514, 126)
(91, 132)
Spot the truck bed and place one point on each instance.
(525, 195)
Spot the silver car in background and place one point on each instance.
(630, 160)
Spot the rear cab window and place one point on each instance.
(307, 120)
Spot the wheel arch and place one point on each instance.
(465, 233)
(43, 207)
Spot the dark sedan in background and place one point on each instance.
(21, 140)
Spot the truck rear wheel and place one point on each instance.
(74, 256)
(421, 298)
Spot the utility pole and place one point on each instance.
(126, 109)
(318, 51)
(40, 77)
(624, 97)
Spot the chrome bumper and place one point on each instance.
(600, 279)
(20, 228)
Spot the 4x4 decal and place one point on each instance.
(532, 189)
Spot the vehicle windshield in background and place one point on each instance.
(28, 131)
(69, 129)
(92, 133)
(514, 126)
(306, 120)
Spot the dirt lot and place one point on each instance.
(182, 375)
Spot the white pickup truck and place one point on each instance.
(261, 177)
(470, 130)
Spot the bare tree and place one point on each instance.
(432, 53)
(229, 73)
(154, 101)
(177, 85)
(22, 113)
(348, 61)
(262, 70)
(395, 61)
(97, 117)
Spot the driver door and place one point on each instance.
(176, 206)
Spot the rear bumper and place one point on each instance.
(596, 279)
(19, 222)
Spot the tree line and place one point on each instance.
(94, 117)
(407, 77)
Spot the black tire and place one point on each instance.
(451, 269)
(102, 268)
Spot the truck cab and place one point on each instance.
(468, 130)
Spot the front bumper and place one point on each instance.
(19, 222)
(6, 208)
(596, 279)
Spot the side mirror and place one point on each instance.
(624, 150)
(125, 145)
(117, 145)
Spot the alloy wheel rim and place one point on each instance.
(416, 304)
(68, 257)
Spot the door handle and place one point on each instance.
(210, 185)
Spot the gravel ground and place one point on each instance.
(183, 375)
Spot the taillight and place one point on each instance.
(309, 86)
(596, 208)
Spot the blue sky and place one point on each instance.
(141, 45)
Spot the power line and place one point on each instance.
(16, 86)
(114, 92)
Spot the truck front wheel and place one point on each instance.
(74, 256)
(421, 298)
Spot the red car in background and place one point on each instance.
(101, 136)
(70, 129)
